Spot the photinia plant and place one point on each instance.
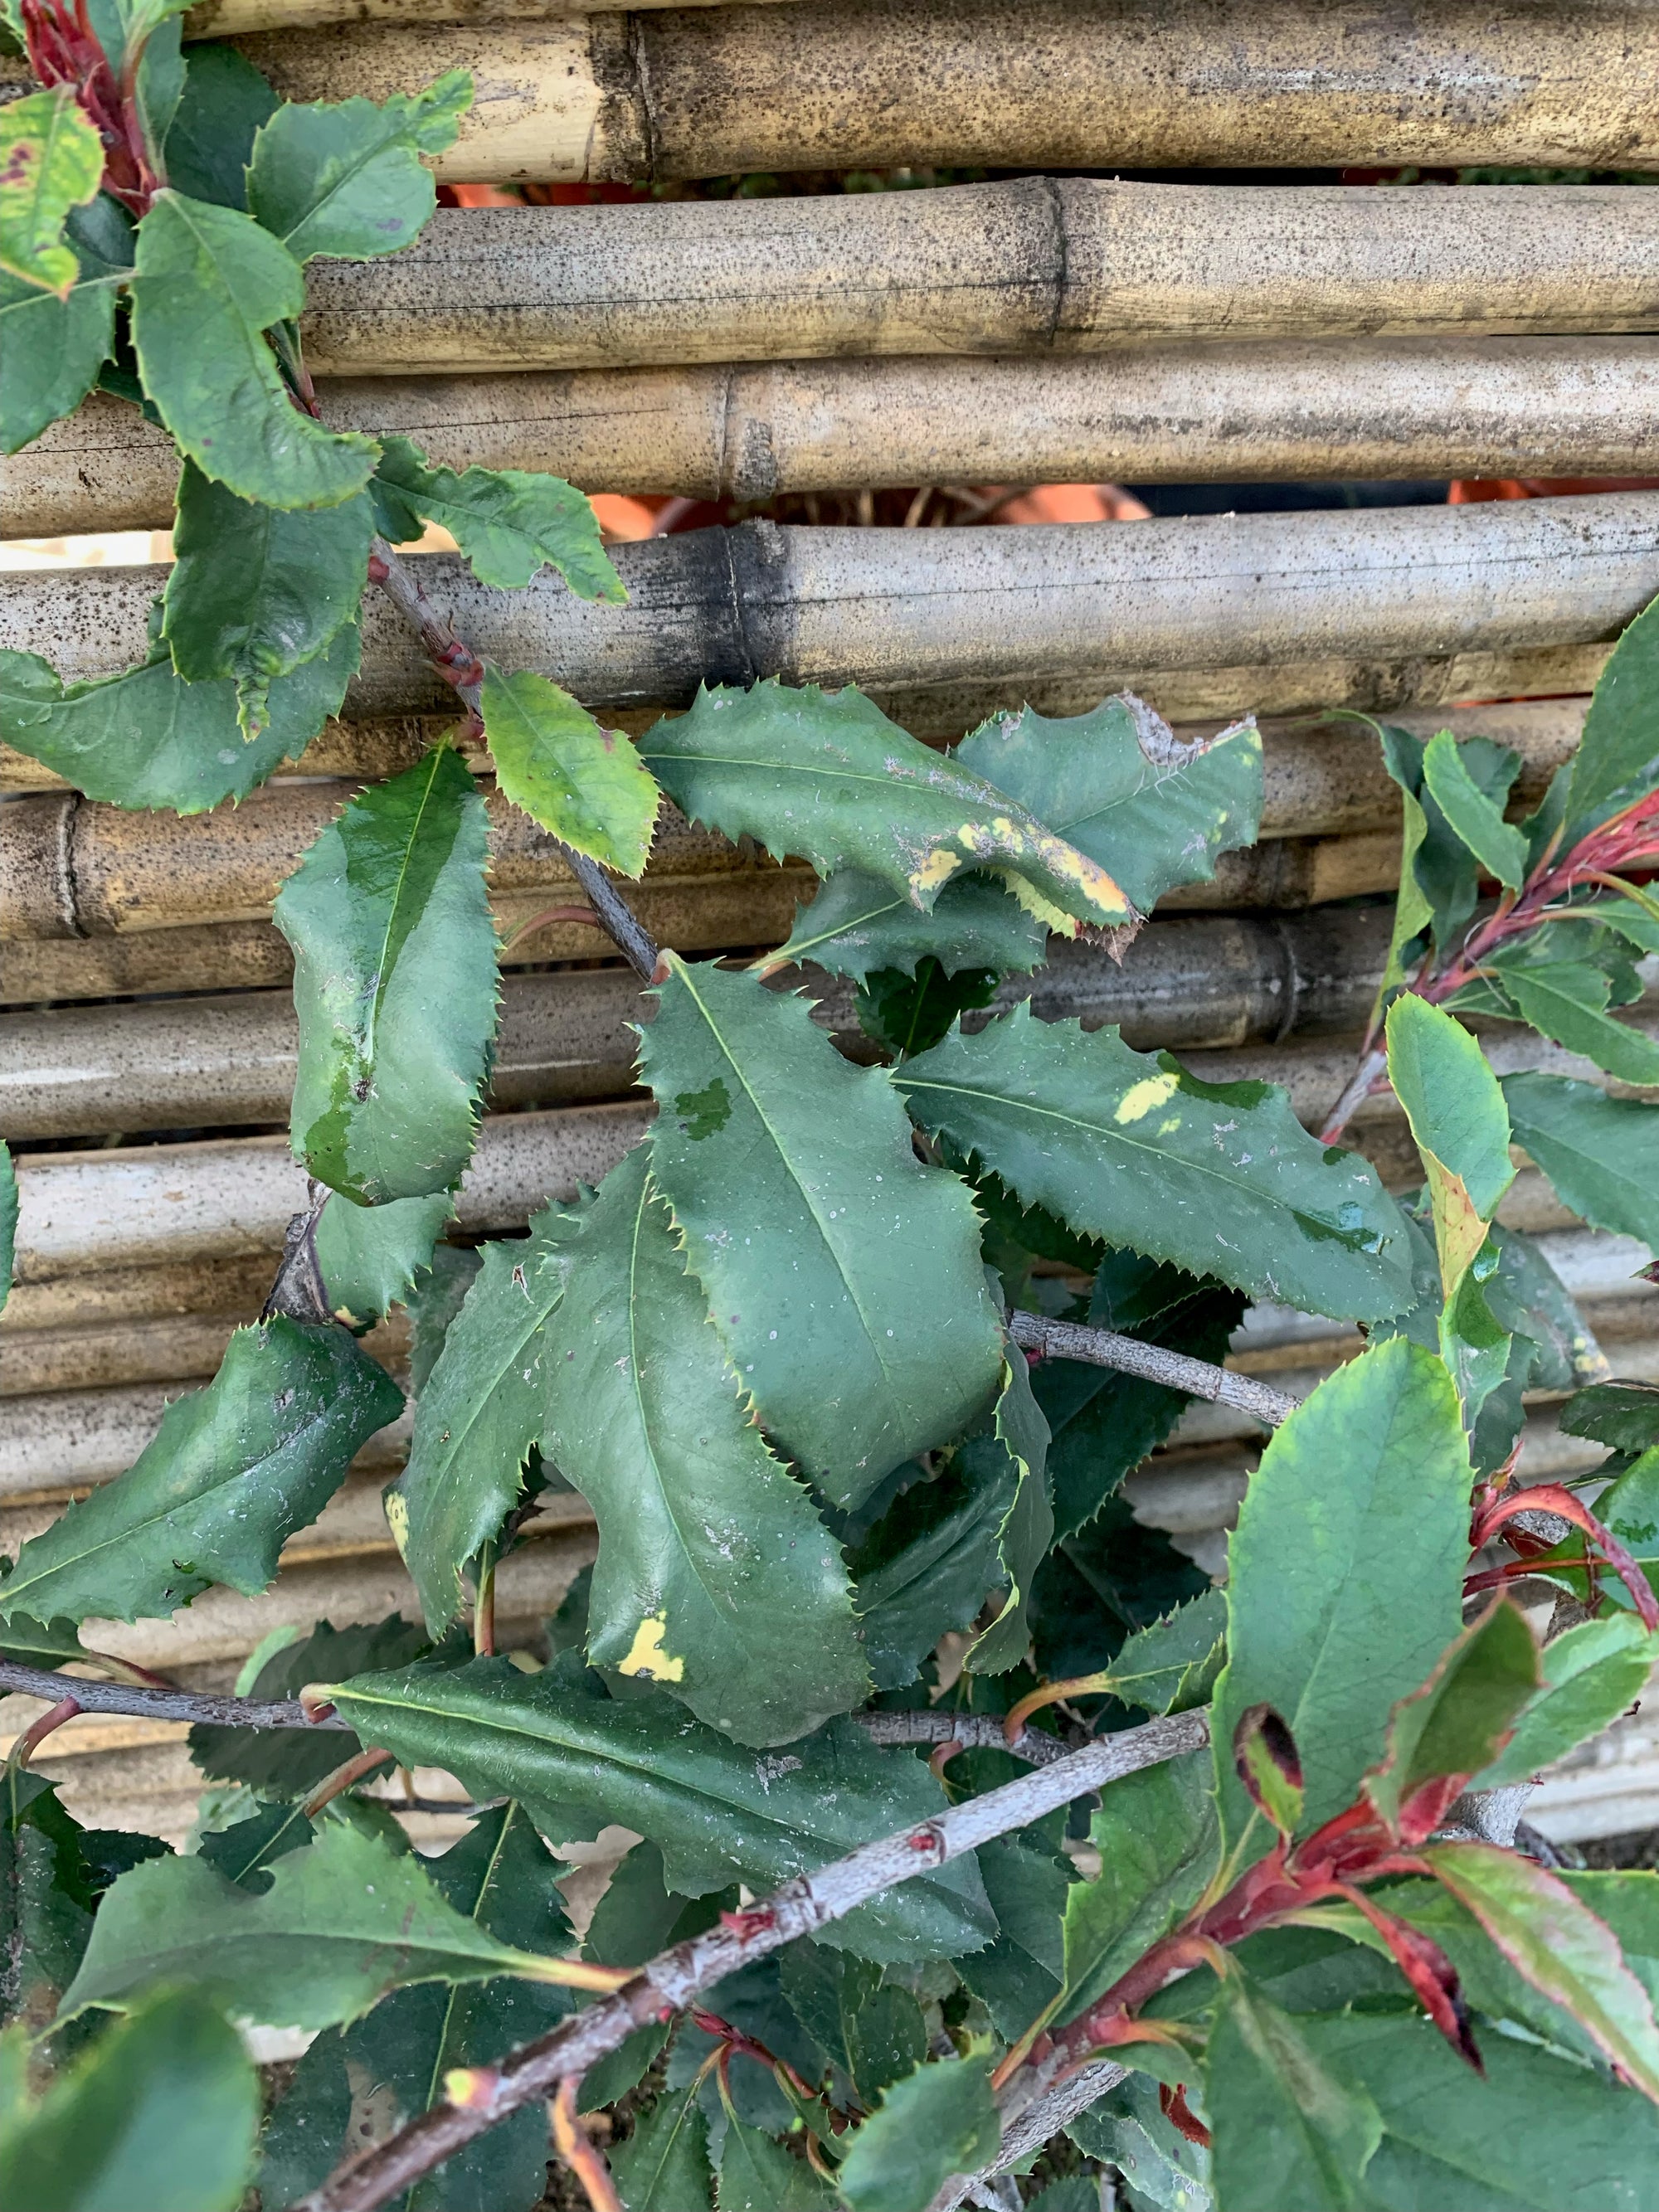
(848, 1362)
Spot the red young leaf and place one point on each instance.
(1553, 1497)
(1172, 2102)
(1265, 1755)
(1430, 1973)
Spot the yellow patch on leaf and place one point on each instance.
(1145, 1097)
(645, 1654)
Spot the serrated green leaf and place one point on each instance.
(759, 2175)
(1119, 786)
(509, 523)
(1019, 1437)
(434, 1301)
(858, 924)
(1344, 1589)
(715, 1576)
(369, 1256)
(1601, 1153)
(939, 2120)
(1100, 1585)
(207, 283)
(47, 1644)
(1592, 1674)
(210, 141)
(147, 739)
(1622, 1415)
(924, 1569)
(347, 179)
(1461, 1716)
(1528, 1297)
(246, 1852)
(1476, 817)
(1159, 1842)
(230, 1474)
(826, 775)
(1560, 1945)
(843, 1276)
(483, 1406)
(344, 1921)
(52, 160)
(499, 1878)
(289, 1763)
(161, 2112)
(395, 984)
(584, 783)
(8, 1221)
(663, 2165)
(1172, 1666)
(1018, 1976)
(51, 349)
(45, 1904)
(1287, 2131)
(1126, 2129)
(1457, 1116)
(718, 1813)
(1618, 756)
(1443, 875)
(1566, 1001)
(906, 1014)
(255, 590)
(1221, 1179)
(873, 2035)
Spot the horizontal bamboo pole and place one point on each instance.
(119, 1296)
(1288, 410)
(1021, 85)
(220, 1060)
(100, 1354)
(226, 19)
(1034, 266)
(919, 610)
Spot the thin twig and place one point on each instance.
(40, 1729)
(971, 1731)
(337, 1783)
(134, 1700)
(459, 666)
(801, 1907)
(1104, 1348)
(1029, 2121)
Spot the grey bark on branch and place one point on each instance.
(671, 1981)
(1104, 1348)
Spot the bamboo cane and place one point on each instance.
(1286, 410)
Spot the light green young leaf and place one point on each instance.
(1122, 787)
(1346, 1573)
(1560, 1945)
(858, 925)
(1440, 877)
(584, 783)
(1452, 1100)
(663, 2165)
(232, 1471)
(161, 2112)
(1222, 1180)
(844, 1277)
(1592, 1674)
(826, 775)
(1463, 1714)
(8, 1221)
(1287, 2131)
(1172, 1666)
(1566, 1001)
(1476, 817)
(939, 2120)
(717, 1812)
(255, 591)
(715, 1576)
(207, 283)
(344, 1921)
(1618, 756)
(1020, 1438)
(147, 739)
(370, 1255)
(1159, 1842)
(347, 179)
(1413, 911)
(52, 160)
(395, 983)
(483, 1407)
(509, 523)
(1601, 1153)
(759, 2175)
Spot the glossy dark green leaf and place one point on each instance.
(254, 590)
(159, 2112)
(873, 2035)
(637, 1916)
(1622, 1415)
(1221, 1179)
(663, 2165)
(207, 283)
(1018, 1976)
(45, 1900)
(858, 924)
(509, 523)
(232, 1471)
(344, 1921)
(289, 1763)
(715, 1575)
(759, 2175)
(910, 1013)
(1618, 756)
(433, 1300)
(483, 1407)
(1158, 1844)
(939, 2120)
(1345, 1587)
(1592, 1674)
(1288, 2131)
(1101, 1585)
(843, 1276)
(1566, 1001)
(47, 1643)
(370, 1256)
(51, 349)
(395, 984)
(1472, 813)
(347, 179)
(1601, 1153)
(246, 1852)
(1153, 811)
(924, 1569)
(147, 739)
(584, 783)
(210, 141)
(718, 1813)
(826, 775)
(1019, 1438)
